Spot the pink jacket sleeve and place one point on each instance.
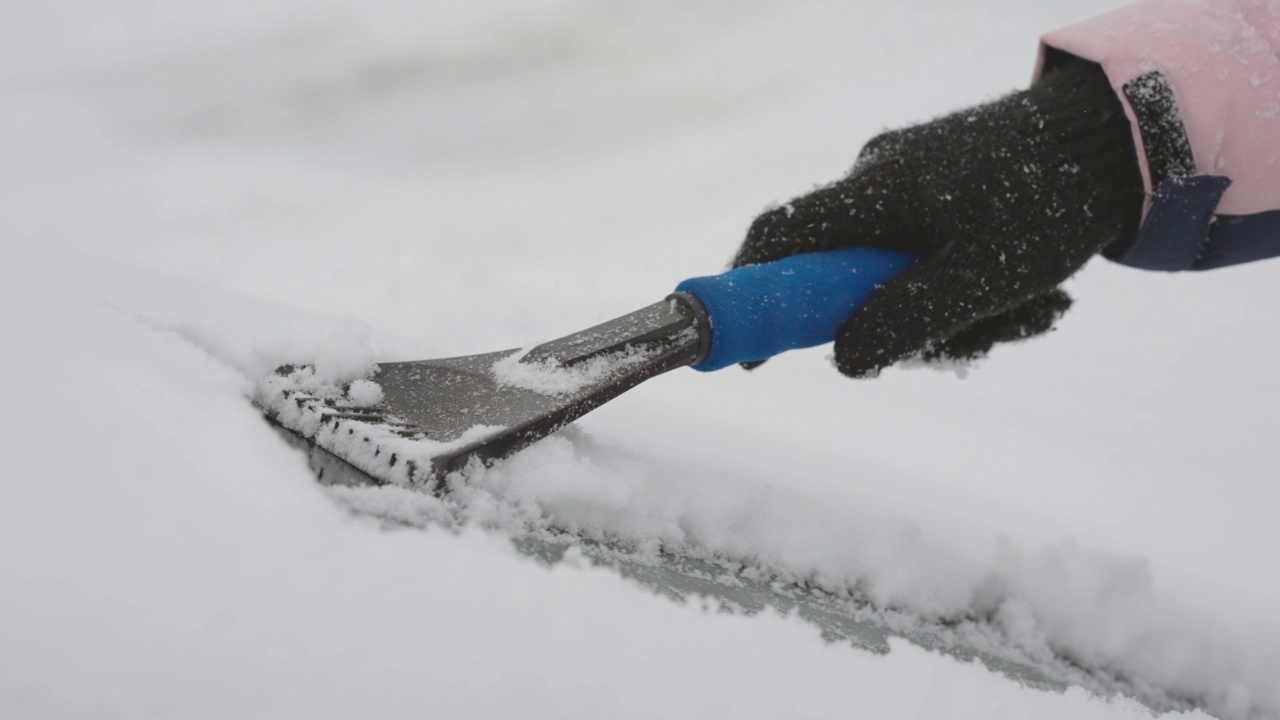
(1200, 83)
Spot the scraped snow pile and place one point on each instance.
(194, 195)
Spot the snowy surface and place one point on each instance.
(192, 194)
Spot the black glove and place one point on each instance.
(1002, 202)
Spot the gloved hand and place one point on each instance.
(1003, 202)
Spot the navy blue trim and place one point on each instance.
(1236, 239)
(1181, 231)
(1177, 227)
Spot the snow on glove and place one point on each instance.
(1003, 202)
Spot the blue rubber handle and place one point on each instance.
(759, 311)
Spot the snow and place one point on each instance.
(364, 393)
(549, 377)
(194, 195)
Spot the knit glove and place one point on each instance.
(1002, 202)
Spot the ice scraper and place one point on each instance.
(417, 422)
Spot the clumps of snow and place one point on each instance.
(364, 393)
(345, 354)
(959, 368)
(328, 415)
(1101, 610)
(575, 557)
(1104, 610)
(393, 507)
(549, 377)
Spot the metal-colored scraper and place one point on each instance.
(437, 417)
